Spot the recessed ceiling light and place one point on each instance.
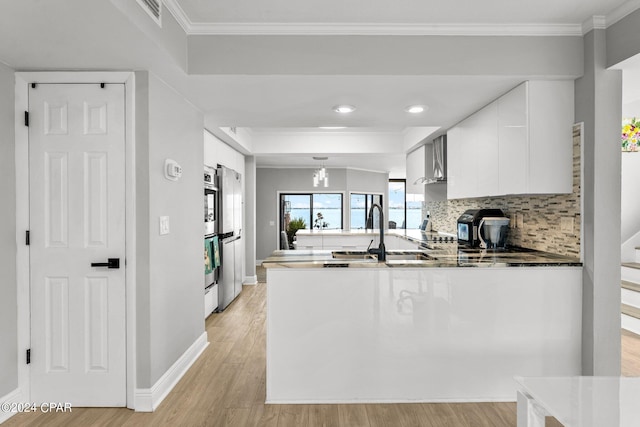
(331, 127)
(344, 109)
(415, 109)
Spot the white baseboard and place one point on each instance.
(631, 324)
(14, 397)
(148, 399)
(250, 280)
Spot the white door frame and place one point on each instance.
(23, 80)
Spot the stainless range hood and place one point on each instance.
(436, 162)
(439, 157)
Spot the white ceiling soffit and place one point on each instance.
(470, 20)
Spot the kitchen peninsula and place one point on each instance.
(430, 324)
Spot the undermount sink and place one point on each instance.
(352, 255)
(392, 255)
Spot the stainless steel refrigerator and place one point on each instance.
(230, 233)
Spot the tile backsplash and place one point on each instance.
(548, 222)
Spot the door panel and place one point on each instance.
(77, 212)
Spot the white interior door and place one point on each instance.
(77, 217)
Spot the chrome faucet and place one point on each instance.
(380, 252)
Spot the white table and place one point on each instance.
(579, 401)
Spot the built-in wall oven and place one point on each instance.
(211, 226)
(211, 242)
(210, 201)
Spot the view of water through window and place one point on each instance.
(325, 210)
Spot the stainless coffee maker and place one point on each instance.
(493, 232)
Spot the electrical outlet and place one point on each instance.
(566, 224)
(519, 220)
(164, 225)
(272, 223)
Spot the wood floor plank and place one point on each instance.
(444, 414)
(263, 416)
(293, 416)
(552, 422)
(324, 416)
(226, 386)
(383, 415)
(353, 415)
(630, 354)
(411, 415)
(482, 415)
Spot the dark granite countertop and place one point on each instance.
(448, 256)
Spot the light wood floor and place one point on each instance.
(226, 387)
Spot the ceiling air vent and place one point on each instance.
(153, 8)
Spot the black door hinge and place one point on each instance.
(26, 118)
(28, 356)
(27, 238)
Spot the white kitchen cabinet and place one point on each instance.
(210, 300)
(336, 242)
(455, 160)
(519, 144)
(485, 150)
(512, 141)
(551, 117)
(472, 155)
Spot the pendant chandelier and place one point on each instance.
(320, 175)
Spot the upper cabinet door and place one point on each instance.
(551, 117)
(484, 150)
(454, 160)
(513, 137)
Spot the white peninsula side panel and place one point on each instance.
(339, 335)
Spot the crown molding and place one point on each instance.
(367, 29)
(372, 29)
(596, 22)
(622, 11)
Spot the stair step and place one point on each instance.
(635, 265)
(630, 310)
(631, 286)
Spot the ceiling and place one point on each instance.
(117, 35)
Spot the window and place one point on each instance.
(327, 211)
(317, 210)
(397, 202)
(406, 214)
(360, 207)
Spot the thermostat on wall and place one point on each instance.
(172, 170)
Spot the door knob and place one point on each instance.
(111, 263)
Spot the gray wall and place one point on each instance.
(8, 286)
(403, 55)
(169, 281)
(623, 39)
(598, 103)
(250, 217)
(270, 181)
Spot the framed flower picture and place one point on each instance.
(630, 134)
